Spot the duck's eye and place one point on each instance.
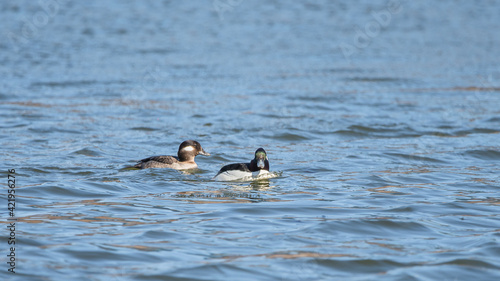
(260, 155)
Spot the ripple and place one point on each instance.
(73, 83)
(382, 179)
(88, 152)
(378, 227)
(380, 79)
(493, 119)
(378, 131)
(289, 137)
(476, 131)
(367, 265)
(483, 154)
(413, 158)
(146, 129)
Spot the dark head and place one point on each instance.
(189, 149)
(260, 161)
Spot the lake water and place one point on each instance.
(382, 116)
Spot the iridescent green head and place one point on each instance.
(260, 159)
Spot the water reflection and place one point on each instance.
(237, 194)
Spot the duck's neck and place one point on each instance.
(254, 168)
(185, 156)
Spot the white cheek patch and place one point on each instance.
(188, 148)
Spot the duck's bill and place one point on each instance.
(202, 152)
(261, 164)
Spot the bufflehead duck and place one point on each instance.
(245, 171)
(184, 160)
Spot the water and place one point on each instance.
(383, 117)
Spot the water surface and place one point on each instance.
(386, 133)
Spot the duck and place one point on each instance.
(183, 161)
(240, 171)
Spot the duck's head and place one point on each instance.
(189, 149)
(260, 161)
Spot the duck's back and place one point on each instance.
(244, 167)
(162, 161)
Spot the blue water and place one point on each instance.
(382, 116)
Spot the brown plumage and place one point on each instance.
(183, 161)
